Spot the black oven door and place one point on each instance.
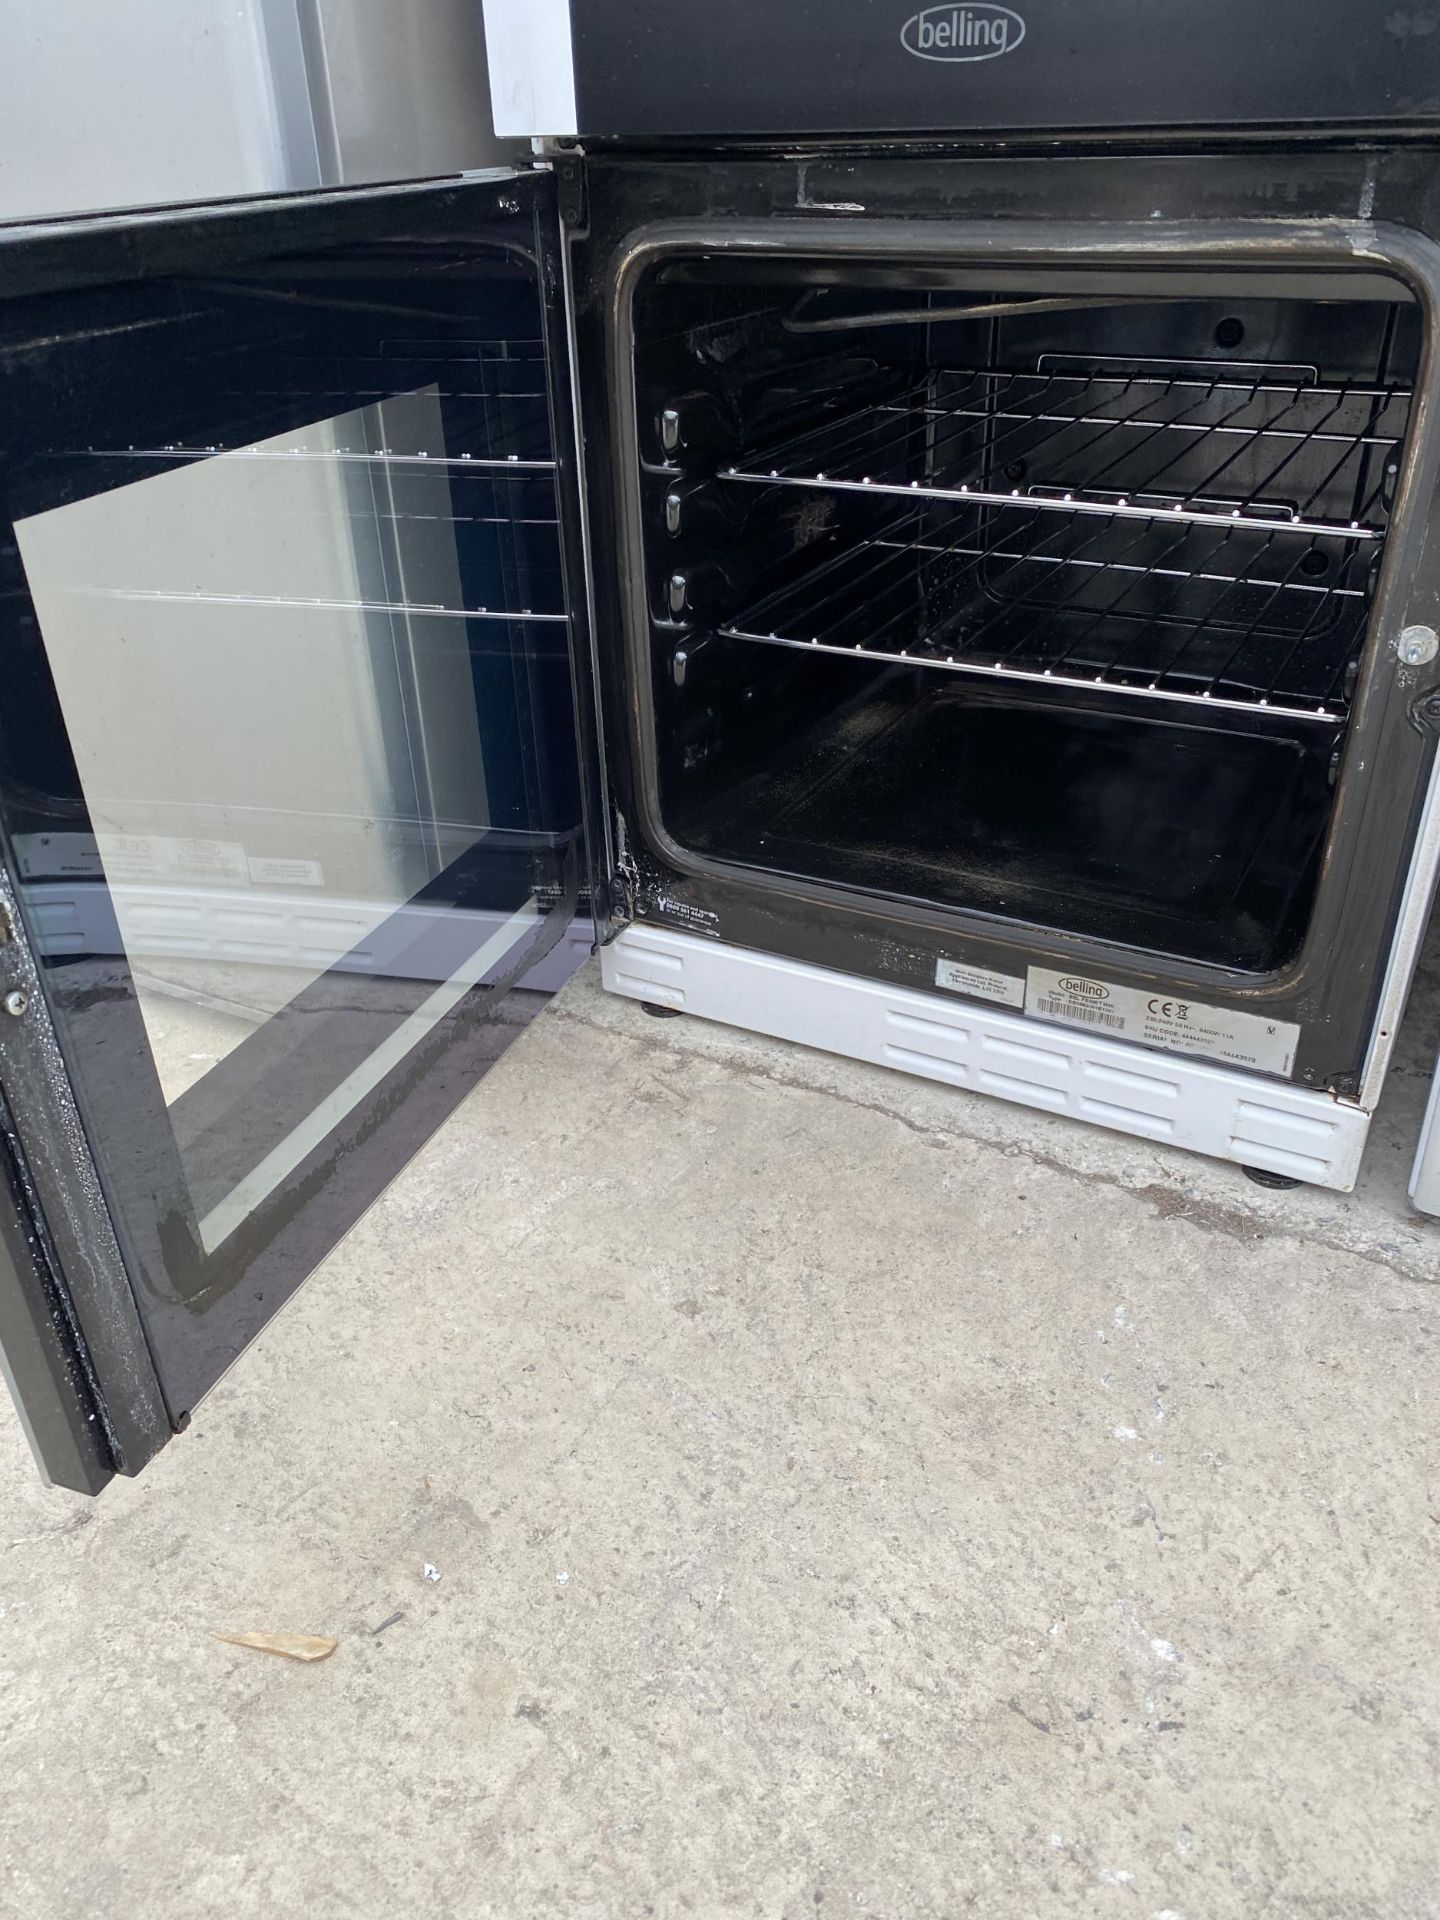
(292, 800)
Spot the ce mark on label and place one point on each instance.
(1168, 1009)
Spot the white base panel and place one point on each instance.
(246, 926)
(1184, 1103)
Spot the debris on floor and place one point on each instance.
(294, 1646)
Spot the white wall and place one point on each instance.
(125, 103)
(109, 103)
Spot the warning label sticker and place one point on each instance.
(1161, 1020)
(160, 856)
(1007, 988)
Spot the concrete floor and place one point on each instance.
(848, 1496)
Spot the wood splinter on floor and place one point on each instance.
(294, 1646)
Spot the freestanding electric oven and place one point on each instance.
(920, 526)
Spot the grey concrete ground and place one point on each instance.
(849, 1496)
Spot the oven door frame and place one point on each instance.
(1335, 987)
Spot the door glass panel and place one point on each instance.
(290, 787)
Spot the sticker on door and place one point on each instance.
(1161, 1020)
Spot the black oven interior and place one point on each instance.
(1044, 601)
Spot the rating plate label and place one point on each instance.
(1161, 1020)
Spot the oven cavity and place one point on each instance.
(1042, 603)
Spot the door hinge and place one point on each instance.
(625, 881)
(570, 187)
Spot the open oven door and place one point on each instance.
(296, 753)
(1425, 1180)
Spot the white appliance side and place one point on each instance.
(1181, 1102)
(172, 610)
(1425, 1181)
(1405, 951)
(156, 100)
(532, 68)
(397, 92)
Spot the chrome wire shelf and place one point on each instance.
(1226, 616)
(508, 440)
(496, 406)
(1265, 448)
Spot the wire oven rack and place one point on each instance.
(1272, 448)
(489, 469)
(1226, 615)
(497, 409)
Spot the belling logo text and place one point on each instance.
(974, 32)
(1092, 988)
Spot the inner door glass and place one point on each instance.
(289, 762)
